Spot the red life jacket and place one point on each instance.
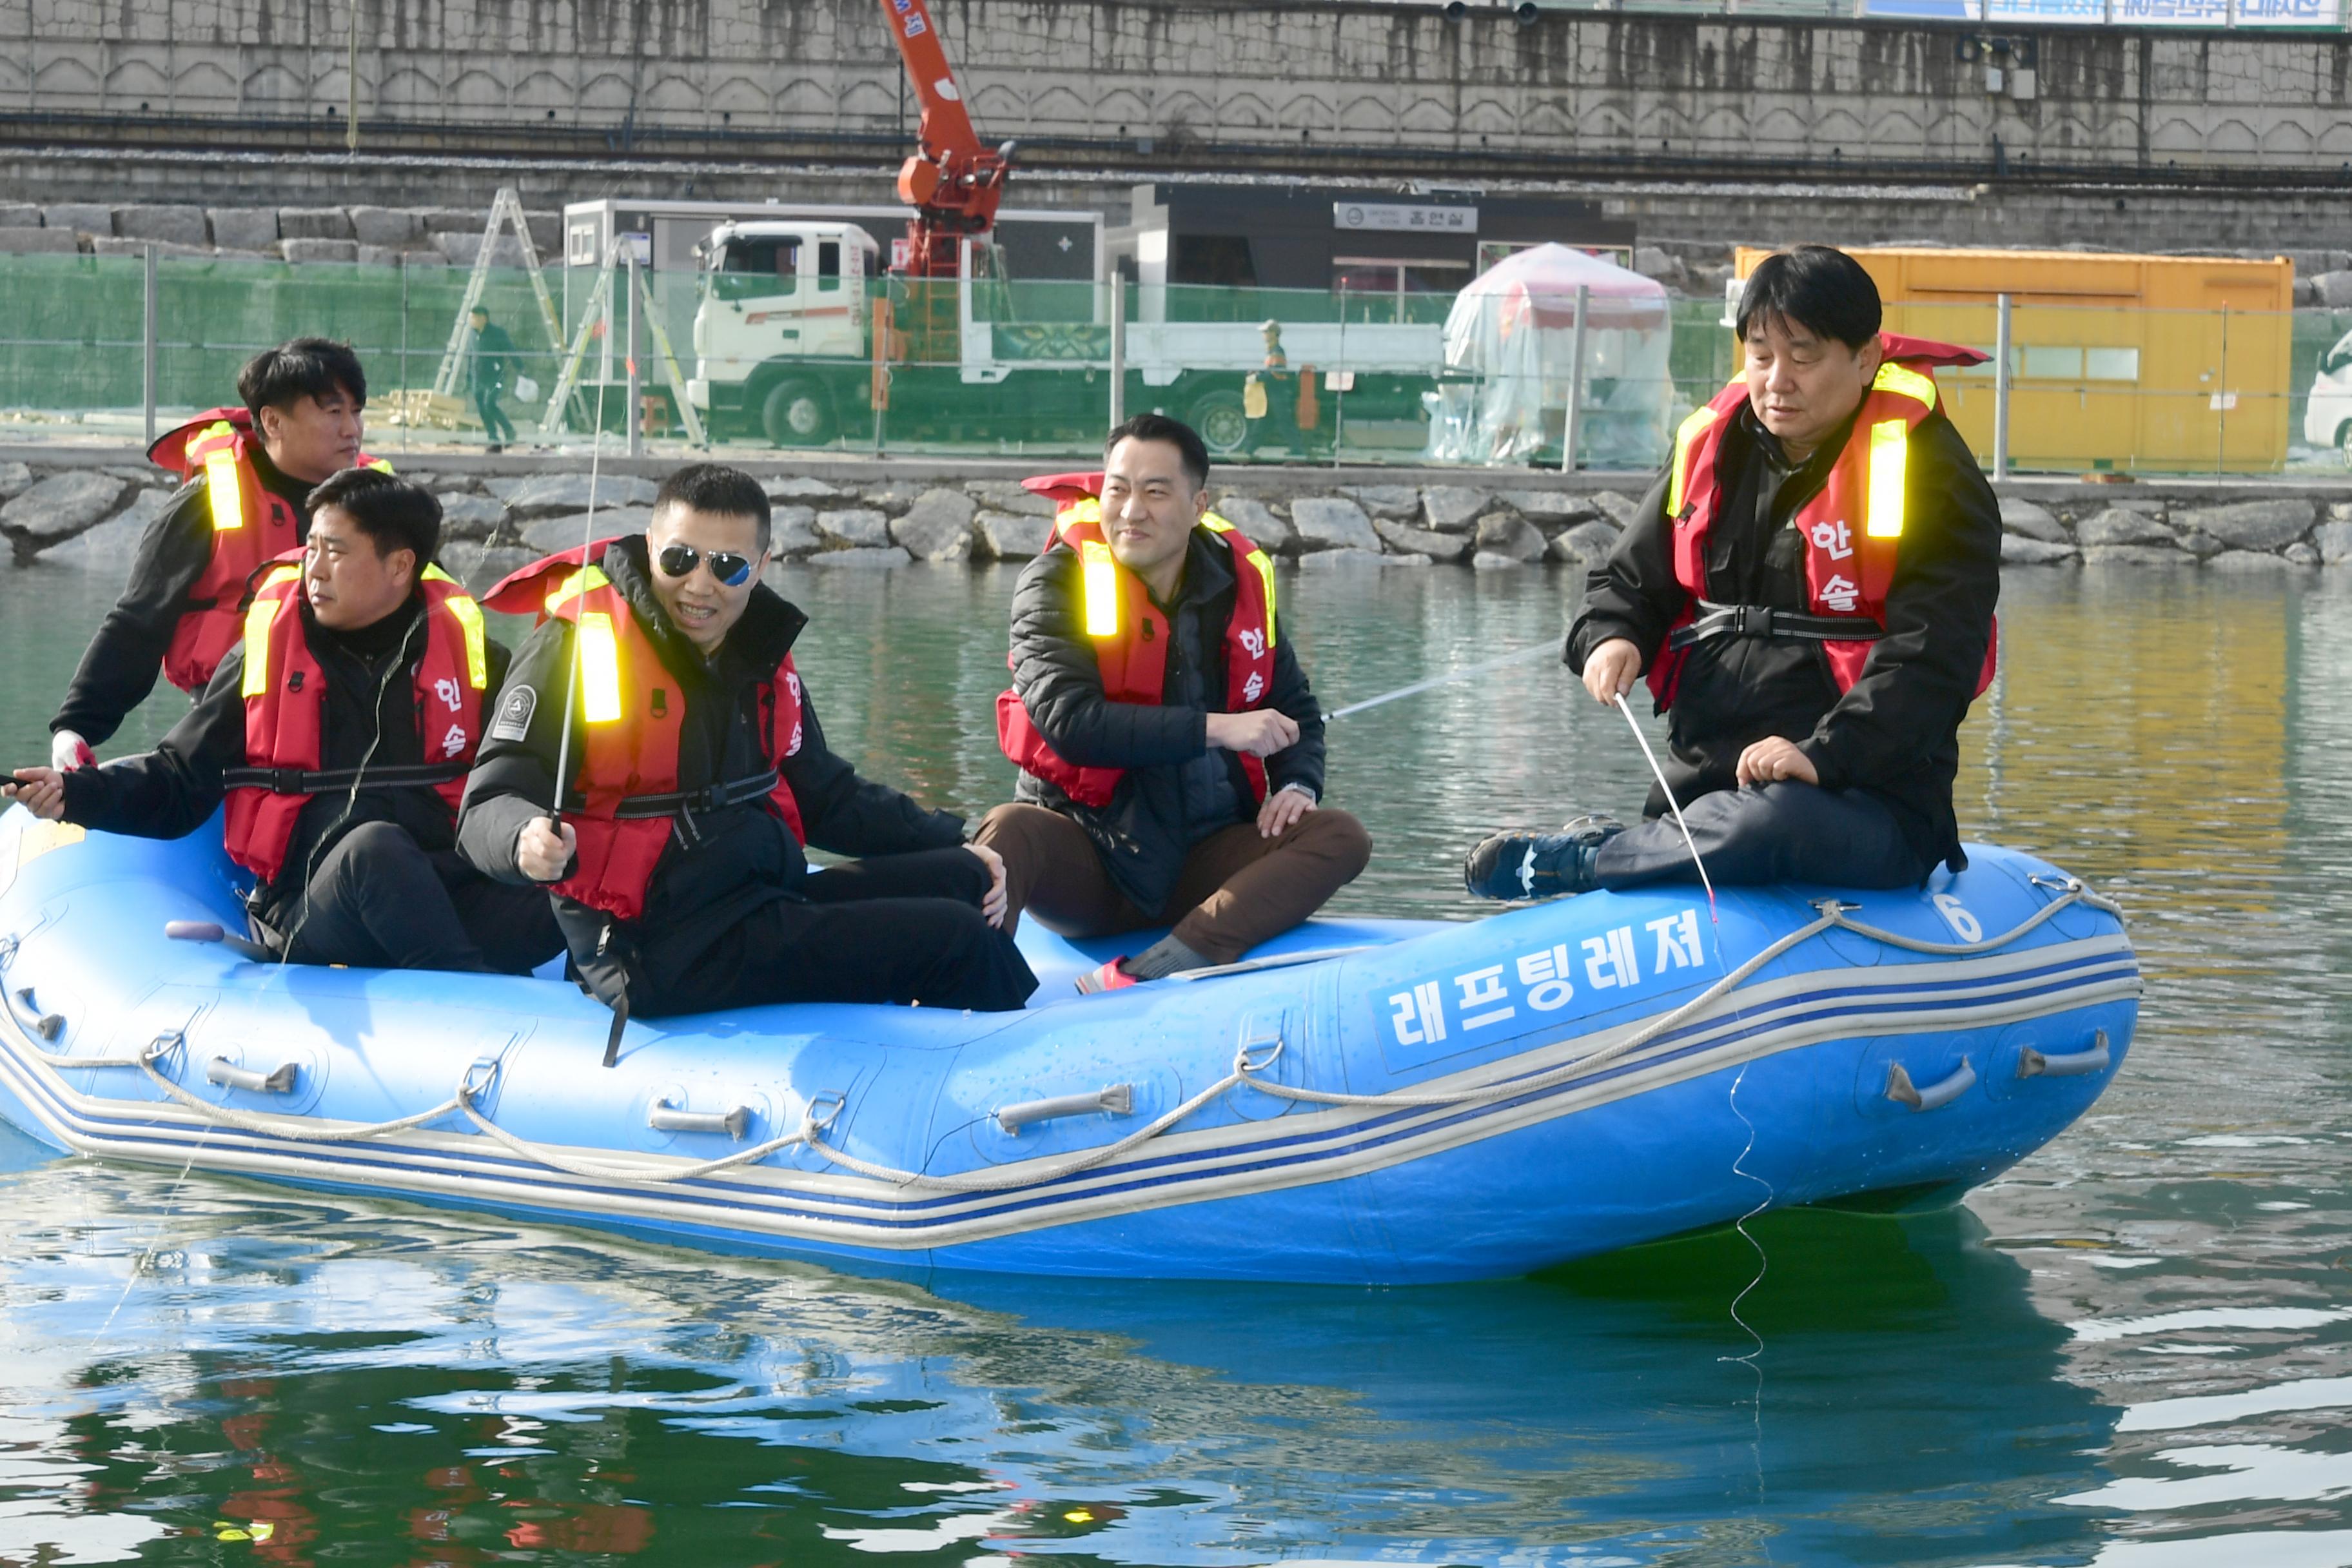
(624, 799)
(252, 525)
(285, 703)
(1852, 529)
(1130, 644)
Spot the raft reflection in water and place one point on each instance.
(372, 1372)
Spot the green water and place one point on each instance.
(2128, 1352)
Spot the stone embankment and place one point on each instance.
(413, 237)
(93, 514)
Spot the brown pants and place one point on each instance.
(1237, 888)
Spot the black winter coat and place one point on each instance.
(1896, 735)
(120, 666)
(742, 857)
(1177, 791)
(175, 789)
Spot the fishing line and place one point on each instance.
(1753, 1360)
(1445, 680)
(138, 1264)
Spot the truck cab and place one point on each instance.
(781, 313)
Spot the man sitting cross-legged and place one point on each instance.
(1171, 754)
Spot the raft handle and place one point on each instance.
(1936, 1096)
(279, 1080)
(2032, 1063)
(48, 1026)
(667, 1117)
(1119, 1099)
(213, 931)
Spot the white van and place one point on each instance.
(2327, 419)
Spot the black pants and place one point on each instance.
(495, 423)
(897, 928)
(379, 901)
(1783, 832)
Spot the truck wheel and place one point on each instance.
(798, 413)
(2343, 442)
(1225, 428)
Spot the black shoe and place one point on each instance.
(497, 447)
(1511, 866)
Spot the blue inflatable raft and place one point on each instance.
(1363, 1100)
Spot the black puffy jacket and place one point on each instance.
(1177, 790)
(742, 856)
(1896, 734)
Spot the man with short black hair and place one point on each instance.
(1810, 588)
(340, 754)
(1169, 748)
(247, 471)
(662, 679)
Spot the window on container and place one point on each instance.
(2111, 365)
(2043, 361)
(828, 266)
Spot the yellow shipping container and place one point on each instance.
(2158, 363)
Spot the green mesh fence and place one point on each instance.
(1020, 368)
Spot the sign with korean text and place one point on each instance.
(1392, 218)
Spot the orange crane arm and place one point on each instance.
(952, 181)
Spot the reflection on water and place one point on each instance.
(2129, 1351)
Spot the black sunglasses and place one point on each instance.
(680, 559)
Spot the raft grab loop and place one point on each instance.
(48, 1025)
(2032, 1063)
(817, 1117)
(669, 1114)
(1118, 1099)
(278, 1081)
(1936, 1096)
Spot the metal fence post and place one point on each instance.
(2001, 357)
(636, 413)
(1117, 351)
(1568, 430)
(153, 315)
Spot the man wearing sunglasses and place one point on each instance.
(699, 772)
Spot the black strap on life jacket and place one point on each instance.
(710, 797)
(294, 781)
(1759, 621)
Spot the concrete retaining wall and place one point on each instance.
(1150, 76)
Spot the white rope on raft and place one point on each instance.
(1832, 916)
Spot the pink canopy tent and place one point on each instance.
(1511, 351)
(1540, 285)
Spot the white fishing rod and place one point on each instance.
(587, 541)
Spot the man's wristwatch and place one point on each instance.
(1306, 790)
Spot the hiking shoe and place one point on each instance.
(1109, 977)
(1510, 866)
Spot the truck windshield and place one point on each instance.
(757, 269)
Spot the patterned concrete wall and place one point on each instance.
(1169, 76)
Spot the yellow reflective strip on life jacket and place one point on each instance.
(579, 582)
(1215, 524)
(1076, 514)
(1685, 437)
(600, 669)
(258, 618)
(1101, 584)
(477, 654)
(1258, 559)
(381, 465)
(1890, 452)
(1910, 383)
(227, 496)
